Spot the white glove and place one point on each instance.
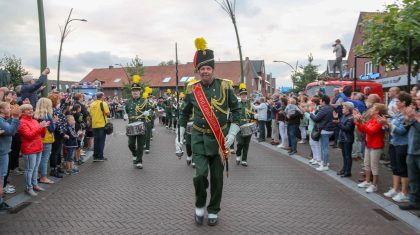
(178, 143)
(146, 113)
(230, 138)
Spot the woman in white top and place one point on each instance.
(261, 116)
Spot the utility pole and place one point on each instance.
(42, 41)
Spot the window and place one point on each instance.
(117, 80)
(368, 67)
(167, 79)
(184, 79)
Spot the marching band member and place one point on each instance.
(136, 109)
(210, 99)
(246, 117)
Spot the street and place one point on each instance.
(275, 194)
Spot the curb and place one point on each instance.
(386, 205)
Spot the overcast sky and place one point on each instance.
(118, 30)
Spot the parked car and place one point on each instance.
(375, 87)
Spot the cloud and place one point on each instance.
(120, 29)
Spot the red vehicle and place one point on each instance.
(329, 85)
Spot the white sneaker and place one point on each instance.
(9, 190)
(238, 158)
(315, 163)
(400, 197)
(302, 142)
(232, 151)
(311, 161)
(322, 168)
(319, 163)
(280, 146)
(391, 193)
(364, 184)
(372, 188)
(139, 165)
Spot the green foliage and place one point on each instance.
(305, 75)
(170, 62)
(386, 35)
(135, 67)
(13, 66)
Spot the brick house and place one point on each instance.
(366, 70)
(112, 79)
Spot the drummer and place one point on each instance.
(246, 117)
(136, 109)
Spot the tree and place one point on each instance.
(13, 66)
(305, 75)
(135, 67)
(386, 35)
(170, 62)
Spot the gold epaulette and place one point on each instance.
(188, 90)
(226, 84)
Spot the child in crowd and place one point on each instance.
(80, 126)
(70, 143)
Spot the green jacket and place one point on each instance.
(222, 99)
(135, 109)
(246, 112)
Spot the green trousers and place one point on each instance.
(135, 144)
(148, 134)
(242, 146)
(202, 165)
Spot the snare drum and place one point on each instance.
(189, 128)
(248, 129)
(135, 128)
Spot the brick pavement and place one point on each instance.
(274, 195)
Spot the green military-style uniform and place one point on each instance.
(135, 109)
(149, 125)
(168, 111)
(205, 148)
(243, 141)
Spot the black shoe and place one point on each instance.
(340, 172)
(212, 222)
(199, 219)
(345, 175)
(60, 170)
(5, 207)
(409, 207)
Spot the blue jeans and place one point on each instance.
(325, 141)
(261, 125)
(99, 137)
(413, 165)
(43, 166)
(291, 135)
(347, 160)
(70, 154)
(31, 169)
(4, 165)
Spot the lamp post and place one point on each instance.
(294, 69)
(64, 34)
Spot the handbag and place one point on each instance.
(109, 127)
(316, 133)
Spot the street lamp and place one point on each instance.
(125, 71)
(64, 34)
(294, 69)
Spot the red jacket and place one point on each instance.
(31, 133)
(374, 133)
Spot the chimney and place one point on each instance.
(111, 67)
